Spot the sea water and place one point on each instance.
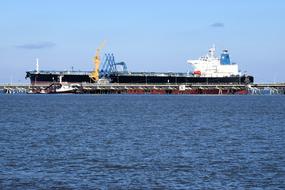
(142, 142)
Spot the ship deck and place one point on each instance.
(54, 72)
(60, 72)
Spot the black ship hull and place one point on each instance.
(136, 78)
(54, 77)
(152, 79)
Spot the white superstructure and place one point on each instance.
(213, 66)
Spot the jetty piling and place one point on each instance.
(117, 88)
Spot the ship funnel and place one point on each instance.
(225, 58)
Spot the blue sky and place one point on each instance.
(148, 35)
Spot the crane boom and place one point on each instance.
(96, 60)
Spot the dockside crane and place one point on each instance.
(96, 60)
(110, 66)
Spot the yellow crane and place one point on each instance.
(96, 60)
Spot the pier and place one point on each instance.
(117, 88)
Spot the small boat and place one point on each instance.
(67, 88)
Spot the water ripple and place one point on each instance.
(142, 142)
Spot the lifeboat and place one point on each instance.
(197, 72)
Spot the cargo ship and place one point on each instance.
(208, 69)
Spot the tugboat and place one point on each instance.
(63, 87)
(67, 88)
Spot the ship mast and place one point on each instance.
(37, 66)
(212, 51)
